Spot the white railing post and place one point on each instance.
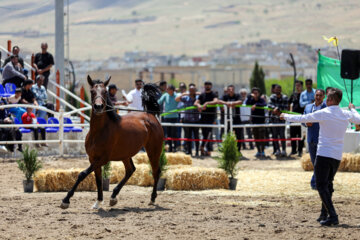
(231, 119)
(225, 119)
(61, 131)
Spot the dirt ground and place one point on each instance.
(273, 200)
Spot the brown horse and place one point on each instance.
(115, 138)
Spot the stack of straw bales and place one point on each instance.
(196, 178)
(140, 177)
(172, 158)
(58, 180)
(349, 163)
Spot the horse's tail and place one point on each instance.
(150, 96)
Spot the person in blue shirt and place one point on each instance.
(169, 102)
(40, 95)
(313, 128)
(308, 95)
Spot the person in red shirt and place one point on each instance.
(28, 118)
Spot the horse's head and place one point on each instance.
(98, 94)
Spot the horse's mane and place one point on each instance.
(110, 110)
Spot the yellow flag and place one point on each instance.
(334, 40)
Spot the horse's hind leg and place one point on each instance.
(66, 201)
(129, 170)
(99, 186)
(154, 152)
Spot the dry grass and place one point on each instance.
(58, 180)
(196, 178)
(140, 177)
(349, 163)
(178, 158)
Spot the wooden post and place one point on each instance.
(57, 90)
(9, 46)
(32, 65)
(82, 96)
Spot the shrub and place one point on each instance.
(29, 164)
(106, 170)
(163, 161)
(229, 155)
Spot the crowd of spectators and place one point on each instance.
(26, 91)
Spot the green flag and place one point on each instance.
(328, 75)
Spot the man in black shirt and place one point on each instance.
(43, 63)
(231, 99)
(208, 115)
(27, 96)
(294, 105)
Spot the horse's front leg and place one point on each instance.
(66, 201)
(99, 186)
(129, 170)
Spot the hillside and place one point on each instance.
(100, 29)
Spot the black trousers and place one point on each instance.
(325, 169)
(295, 132)
(36, 133)
(171, 133)
(18, 81)
(249, 133)
(207, 133)
(259, 133)
(278, 132)
(189, 133)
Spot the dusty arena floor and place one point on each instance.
(273, 200)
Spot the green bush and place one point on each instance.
(229, 155)
(163, 161)
(106, 170)
(29, 164)
(286, 85)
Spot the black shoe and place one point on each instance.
(322, 218)
(300, 154)
(330, 221)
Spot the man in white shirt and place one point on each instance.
(333, 124)
(134, 96)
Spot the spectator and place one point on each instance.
(245, 118)
(27, 96)
(168, 99)
(278, 102)
(182, 89)
(231, 100)
(15, 52)
(313, 129)
(43, 63)
(12, 72)
(15, 99)
(134, 96)
(163, 87)
(29, 118)
(4, 119)
(258, 117)
(308, 95)
(40, 95)
(190, 116)
(112, 95)
(208, 115)
(295, 131)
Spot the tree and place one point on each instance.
(258, 78)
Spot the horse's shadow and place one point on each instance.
(114, 212)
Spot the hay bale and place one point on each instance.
(141, 177)
(60, 180)
(178, 158)
(306, 163)
(196, 178)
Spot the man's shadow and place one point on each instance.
(114, 212)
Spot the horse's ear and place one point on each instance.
(107, 81)
(90, 81)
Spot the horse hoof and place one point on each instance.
(96, 205)
(113, 201)
(64, 205)
(151, 203)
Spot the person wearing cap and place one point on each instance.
(15, 99)
(12, 72)
(134, 96)
(112, 94)
(27, 96)
(40, 95)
